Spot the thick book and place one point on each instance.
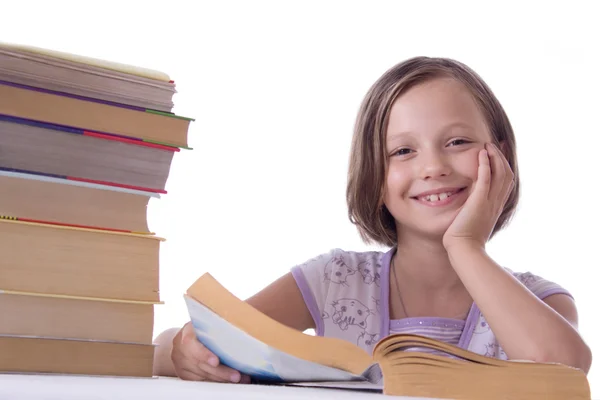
(31, 354)
(46, 149)
(86, 77)
(75, 317)
(36, 197)
(57, 108)
(59, 260)
(253, 343)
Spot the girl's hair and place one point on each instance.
(368, 155)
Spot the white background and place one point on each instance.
(275, 87)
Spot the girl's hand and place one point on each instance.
(476, 220)
(193, 361)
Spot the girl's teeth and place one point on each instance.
(437, 197)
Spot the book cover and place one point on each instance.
(240, 351)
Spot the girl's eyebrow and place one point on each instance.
(459, 124)
(405, 134)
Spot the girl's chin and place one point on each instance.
(427, 234)
(429, 226)
(430, 231)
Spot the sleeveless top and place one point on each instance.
(347, 294)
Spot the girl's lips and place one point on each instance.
(441, 203)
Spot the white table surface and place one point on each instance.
(65, 387)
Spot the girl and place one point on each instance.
(433, 175)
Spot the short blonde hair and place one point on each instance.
(368, 157)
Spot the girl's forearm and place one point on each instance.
(526, 327)
(163, 365)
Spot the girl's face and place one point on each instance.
(434, 134)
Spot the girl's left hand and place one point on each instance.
(476, 220)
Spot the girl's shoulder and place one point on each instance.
(341, 274)
(342, 291)
(337, 265)
(538, 285)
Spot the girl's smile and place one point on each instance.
(442, 197)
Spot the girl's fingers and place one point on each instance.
(192, 370)
(194, 350)
(497, 184)
(188, 375)
(511, 184)
(482, 185)
(507, 183)
(223, 373)
(194, 361)
(193, 375)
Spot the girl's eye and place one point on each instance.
(457, 142)
(402, 152)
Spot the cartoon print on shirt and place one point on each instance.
(366, 339)
(350, 312)
(377, 303)
(494, 350)
(528, 279)
(481, 327)
(337, 271)
(312, 261)
(502, 354)
(324, 315)
(370, 271)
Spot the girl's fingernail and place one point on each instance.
(235, 377)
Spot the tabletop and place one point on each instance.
(72, 387)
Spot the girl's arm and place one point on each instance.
(526, 327)
(163, 365)
(281, 300)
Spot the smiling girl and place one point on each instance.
(433, 176)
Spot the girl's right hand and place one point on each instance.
(193, 361)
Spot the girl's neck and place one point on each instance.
(424, 263)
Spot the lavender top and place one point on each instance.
(347, 294)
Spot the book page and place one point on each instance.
(240, 351)
(353, 385)
(95, 62)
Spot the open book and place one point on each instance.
(247, 340)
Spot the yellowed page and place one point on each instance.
(111, 65)
(66, 296)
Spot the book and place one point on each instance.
(75, 317)
(32, 354)
(60, 109)
(86, 77)
(268, 351)
(37, 197)
(127, 69)
(42, 148)
(60, 260)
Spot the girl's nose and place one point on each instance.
(434, 166)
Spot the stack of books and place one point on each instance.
(84, 145)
